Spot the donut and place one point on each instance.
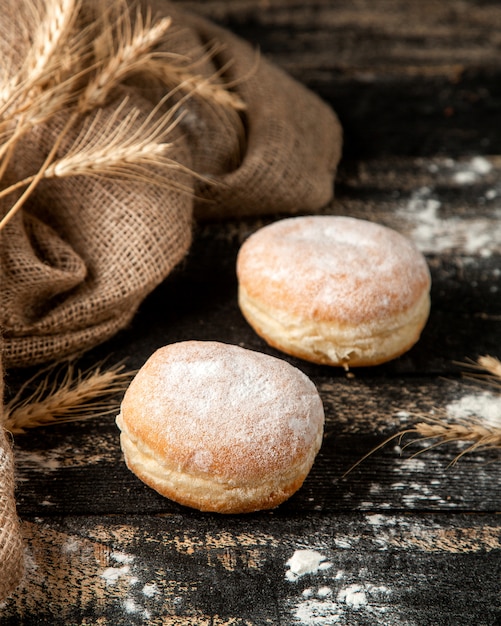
(220, 428)
(334, 290)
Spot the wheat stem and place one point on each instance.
(183, 76)
(37, 177)
(79, 395)
(474, 430)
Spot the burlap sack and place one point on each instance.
(79, 258)
(11, 548)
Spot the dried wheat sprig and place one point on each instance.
(179, 72)
(124, 149)
(486, 369)
(50, 39)
(39, 96)
(491, 364)
(121, 148)
(133, 157)
(47, 80)
(93, 96)
(472, 429)
(43, 60)
(79, 395)
(130, 56)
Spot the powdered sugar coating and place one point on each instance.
(219, 410)
(333, 268)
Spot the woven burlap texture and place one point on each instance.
(82, 254)
(11, 547)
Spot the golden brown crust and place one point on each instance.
(334, 290)
(220, 428)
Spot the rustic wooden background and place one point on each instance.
(405, 540)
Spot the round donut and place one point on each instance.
(334, 290)
(220, 428)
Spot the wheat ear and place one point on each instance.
(471, 430)
(79, 395)
(180, 73)
(122, 148)
(130, 56)
(486, 369)
(52, 33)
(19, 93)
(438, 428)
(50, 39)
(110, 71)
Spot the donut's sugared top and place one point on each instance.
(330, 267)
(220, 410)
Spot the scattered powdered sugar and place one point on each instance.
(377, 519)
(353, 596)
(136, 600)
(469, 172)
(71, 545)
(313, 611)
(150, 590)
(120, 557)
(434, 234)
(113, 574)
(340, 596)
(306, 562)
(485, 406)
(326, 606)
(41, 460)
(131, 607)
(324, 592)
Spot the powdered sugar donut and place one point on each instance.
(220, 428)
(334, 290)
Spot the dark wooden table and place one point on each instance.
(402, 540)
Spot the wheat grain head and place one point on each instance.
(77, 396)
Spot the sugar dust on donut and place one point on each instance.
(334, 290)
(220, 428)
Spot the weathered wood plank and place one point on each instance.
(409, 540)
(405, 78)
(450, 208)
(78, 469)
(435, 202)
(174, 569)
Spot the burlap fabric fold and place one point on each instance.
(11, 548)
(82, 254)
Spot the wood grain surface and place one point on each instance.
(410, 536)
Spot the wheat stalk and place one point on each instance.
(88, 63)
(179, 73)
(471, 430)
(439, 429)
(131, 56)
(121, 148)
(43, 58)
(109, 74)
(50, 39)
(486, 369)
(79, 395)
(22, 96)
